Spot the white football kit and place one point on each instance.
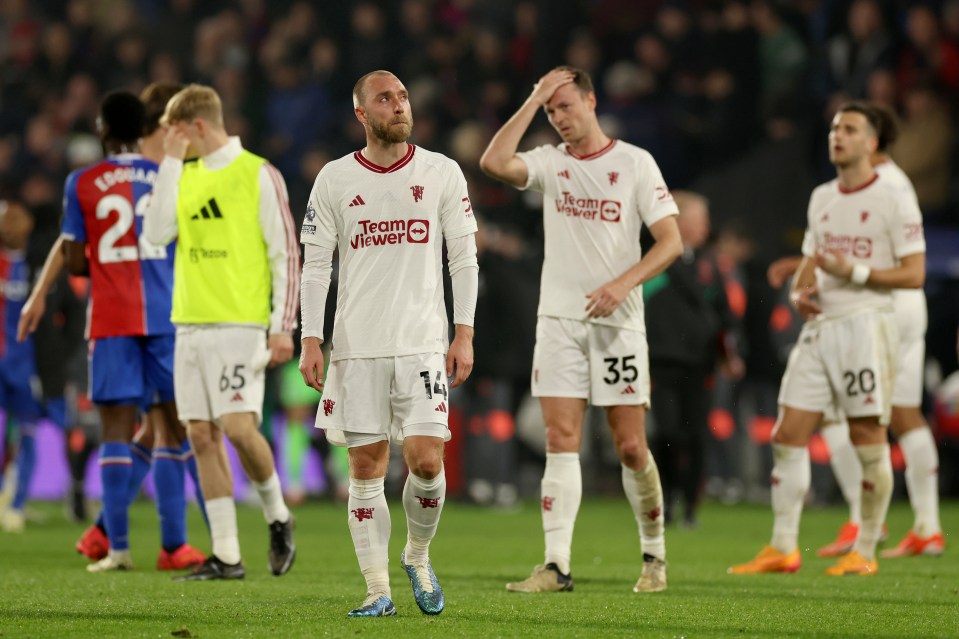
(593, 210)
(846, 355)
(388, 224)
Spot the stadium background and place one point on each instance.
(732, 98)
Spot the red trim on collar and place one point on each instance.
(595, 155)
(865, 185)
(396, 166)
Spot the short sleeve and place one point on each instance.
(456, 214)
(74, 226)
(653, 198)
(809, 237)
(536, 162)
(319, 224)
(906, 229)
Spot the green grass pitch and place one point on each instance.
(46, 593)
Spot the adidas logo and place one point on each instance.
(629, 390)
(563, 174)
(357, 201)
(206, 214)
(237, 397)
(441, 408)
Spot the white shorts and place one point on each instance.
(911, 319)
(385, 398)
(218, 370)
(846, 361)
(605, 365)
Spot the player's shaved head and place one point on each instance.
(359, 89)
(155, 98)
(122, 117)
(581, 79)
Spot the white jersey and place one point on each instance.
(388, 224)
(910, 303)
(876, 224)
(593, 210)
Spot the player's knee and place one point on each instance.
(632, 453)
(426, 466)
(560, 439)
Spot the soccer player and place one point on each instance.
(234, 305)
(131, 337)
(17, 363)
(864, 239)
(388, 208)
(590, 334)
(907, 422)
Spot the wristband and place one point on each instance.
(860, 274)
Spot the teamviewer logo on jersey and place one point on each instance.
(418, 232)
(610, 211)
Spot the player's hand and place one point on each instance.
(30, 316)
(281, 348)
(606, 299)
(781, 270)
(175, 143)
(805, 301)
(834, 263)
(459, 359)
(547, 85)
(311, 363)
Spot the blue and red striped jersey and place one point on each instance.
(131, 281)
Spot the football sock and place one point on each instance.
(562, 491)
(140, 458)
(369, 521)
(876, 494)
(922, 479)
(790, 480)
(423, 501)
(190, 460)
(845, 467)
(274, 508)
(645, 495)
(26, 463)
(168, 477)
(223, 529)
(116, 468)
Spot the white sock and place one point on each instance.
(221, 513)
(562, 491)
(369, 521)
(922, 479)
(876, 495)
(845, 467)
(423, 501)
(271, 495)
(790, 481)
(645, 494)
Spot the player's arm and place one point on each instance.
(500, 160)
(464, 275)
(36, 304)
(667, 247)
(317, 272)
(911, 272)
(283, 253)
(803, 293)
(159, 218)
(782, 269)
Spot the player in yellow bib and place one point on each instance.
(236, 281)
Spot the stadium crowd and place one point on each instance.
(733, 99)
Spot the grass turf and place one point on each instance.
(45, 592)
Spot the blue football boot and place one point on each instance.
(426, 589)
(375, 605)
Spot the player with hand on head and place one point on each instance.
(590, 334)
(388, 209)
(864, 239)
(234, 306)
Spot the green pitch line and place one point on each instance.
(45, 592)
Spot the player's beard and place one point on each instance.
(387, 132)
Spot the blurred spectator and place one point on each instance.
(863, 47)
(782, 55)
(928, 56)
(924, 147)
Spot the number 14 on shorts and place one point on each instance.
(438, 386)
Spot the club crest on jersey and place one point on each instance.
(863, 217)
(613, 177)
(417, 192)
(383, 232)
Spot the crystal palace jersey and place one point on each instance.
(389, 224)
(877, 224)
(131, 281)
(14, 289)
(593, 210)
